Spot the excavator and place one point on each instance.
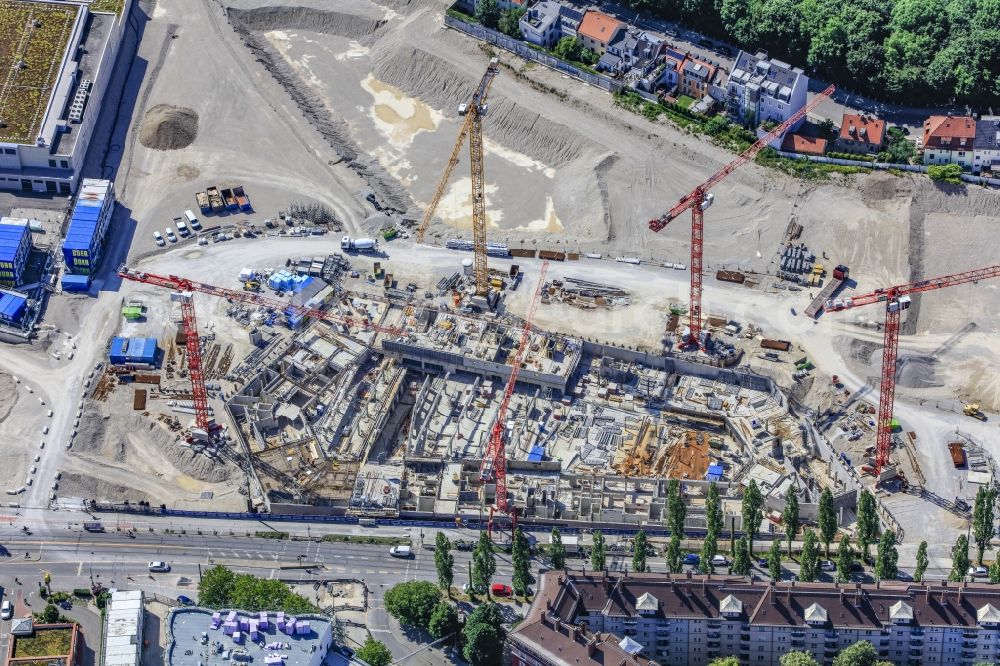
(972, 409)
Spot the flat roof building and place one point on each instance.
(123, 629)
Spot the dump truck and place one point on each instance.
(202, 199)
(825, 298)
(230, 199)
(215, 200)
(242, 200)
(972, 409)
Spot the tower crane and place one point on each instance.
(474, 111)
(494, 465)
(186, 289)
(701, 198)
(896, 300)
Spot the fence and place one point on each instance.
(884, 166)
(519, 48)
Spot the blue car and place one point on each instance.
(763, 563)
(692, 558)
(185, 601)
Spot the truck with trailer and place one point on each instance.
(202, 199)
(215, 200)
(825, 298)
(242, 200)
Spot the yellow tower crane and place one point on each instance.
(473, 111)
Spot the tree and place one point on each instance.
(984, 521)
(994, 571)
(484, 635)
(520, 557)
(510, 22)
(945, 173)
(709, 548)
(598, 554)
(790, 516)
(845, 560)
(753, 501)
(484, 563)
(774, 560)
(827, 519)
(488, 13)
(867, 522)
(676, 509)
(444, 620)
(713, 510)
(444, 562)
(809, 561)
(674, 557)
(219, 587)
(374, 653)
(922, 562)
(50, 615)
(557, 551)
(741, 558)
(216, 586)
(960, 560)
(797, 658)
(861, 653)
(639, 552)
(568, 48)
(724, 661)
(886, 557)
(412, 602)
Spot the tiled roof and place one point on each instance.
(949, 132)
(862, 128)
(987, 133)
(598, 26)
(807, 145)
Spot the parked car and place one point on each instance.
(170, 235)
(763, 563)
(185, 601)
(827, 565)
(159, 567)
(6, 610)
(401, 551)
(979, 572)
(158, 237)
(692, 558)
(501, 590)
(720, 561)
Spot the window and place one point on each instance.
(52, 163)
(961, 153)
(64, 164)
(9, 151)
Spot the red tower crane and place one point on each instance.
(187, 287)
(700, 198)
(896, 300)
(494, 464)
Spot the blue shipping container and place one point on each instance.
(117, 355)
(141, 350)
(12, 307)
(71, 282)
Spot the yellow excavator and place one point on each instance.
(972, 409)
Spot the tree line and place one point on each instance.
(908, 51)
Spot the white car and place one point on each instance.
(158, 237)
(719, 560)
(979, 572)
(827, 565)
(170, 235)
(159, 567)
(6, 610)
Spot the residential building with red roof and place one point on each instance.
(805, 145)
(860, 134)
(948, 140)
(597, 30)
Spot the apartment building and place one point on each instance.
(861, 135)
(597, 30)
(949, 140)
(683, 620)
(986, 145)
(761, 89)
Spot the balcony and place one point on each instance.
(916, 641)
(714, 645)
(968, 654)
(745, 638)
(917, 632)
(713, 635)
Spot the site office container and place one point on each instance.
(12, 307)
(89, 225)
(15, 247)
(73, 282)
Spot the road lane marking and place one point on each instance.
(79, 569)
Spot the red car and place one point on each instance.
(501, 590)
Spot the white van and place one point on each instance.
(182, 228)
(400, 551)
(192, 220)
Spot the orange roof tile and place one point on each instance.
(598, 26)
(949, 132)
(874, 128)
(807, 145)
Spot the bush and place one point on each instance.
(413, 602)
(271, 534)
(851, 156)
(946, 173)
(219, 587)
(82, 592)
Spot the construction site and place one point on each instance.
(540, 305)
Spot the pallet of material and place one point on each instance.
(731, 276)
(139, 400)
(779, 345)
(522, 253)
(551, 256)
(141, 378)
(957, 452)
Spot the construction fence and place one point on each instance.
(519, 48)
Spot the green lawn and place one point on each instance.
(685, 102)
(44, 643)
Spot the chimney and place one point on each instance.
(841, 594)
(961, 586)
(770, 594)
(689, 574)
(548, 604)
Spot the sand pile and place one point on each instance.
(304, 18)
(167, 127)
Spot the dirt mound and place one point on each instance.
(304, 18)
(167, 127)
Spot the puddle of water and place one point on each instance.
(455, 207)
(549, 223)
(355, 51)
(399, 117)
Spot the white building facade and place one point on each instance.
(762, 89)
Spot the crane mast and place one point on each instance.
(474, 111)
(896, 300)
(701, 198)
(494, 465)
